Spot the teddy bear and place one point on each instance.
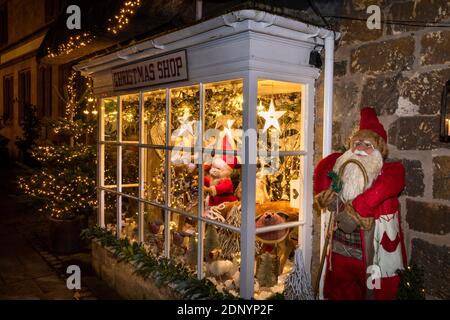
(218, 184)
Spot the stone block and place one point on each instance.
(382, 93)
(435, 48)
(356, 31)
(441, 177)
(434, 260)
(431, 11)
(428, 217)
(415, 133)
(340, 68)
(424, 91)
(385, 56)
(414, 178)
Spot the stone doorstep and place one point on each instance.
(121, 277)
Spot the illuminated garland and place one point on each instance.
(74, 42)
(121, 19)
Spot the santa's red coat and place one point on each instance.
(224, 190)
(348, 277)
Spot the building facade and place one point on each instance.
(23, 79)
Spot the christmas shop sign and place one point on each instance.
(163, 69)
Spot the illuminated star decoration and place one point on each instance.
(186, 125)
(183, 137)
(271, 117)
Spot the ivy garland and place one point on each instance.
(165, 271)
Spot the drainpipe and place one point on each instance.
(327, 130)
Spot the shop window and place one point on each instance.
(130, 169)
(24, 92)
(8, 97)
(110, 114)
(174, 159)
(129, 117)
(279, 182)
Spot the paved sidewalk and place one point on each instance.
(27, 269)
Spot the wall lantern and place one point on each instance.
(445, 114)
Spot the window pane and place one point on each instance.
(130, 219)
(223, 115)
(280, 116)
(130, 117)
(184, 241)
(222, 258)
(274, 261)
(183, 191)
(223, 134)
(110, 166)
(130, 170)
(154, 228)
(111, 211)
(185, 109)
(110, 118)
(222, 193)
(279, 185)
(154, 175)
(155, 117)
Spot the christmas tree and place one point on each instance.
(298, 283)
(64, 185)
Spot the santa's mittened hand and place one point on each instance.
(364, 223)
(326, 200)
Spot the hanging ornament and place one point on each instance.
(271, 117)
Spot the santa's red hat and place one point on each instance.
(370, 128)
(231, 160)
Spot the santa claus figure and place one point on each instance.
(367, 248)
(218, 184)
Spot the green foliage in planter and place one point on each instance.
(164, 271)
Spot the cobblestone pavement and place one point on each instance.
(27, 269)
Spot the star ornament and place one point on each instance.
(185, 125)
(225, 124)
(271, 117)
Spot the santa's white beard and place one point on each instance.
(352, 177)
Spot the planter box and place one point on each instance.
(120, 276)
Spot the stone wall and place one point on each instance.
(400, 71)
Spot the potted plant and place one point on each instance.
(63, 186)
